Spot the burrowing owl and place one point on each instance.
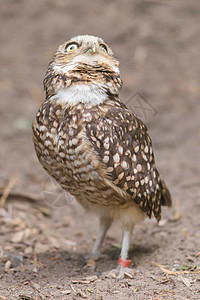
(93, 145)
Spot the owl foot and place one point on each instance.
(122, 270)
(96, 256)
(119, 273)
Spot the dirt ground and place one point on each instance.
(45, 236)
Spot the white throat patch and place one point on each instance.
(81, 93)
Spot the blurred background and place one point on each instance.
(157, 43)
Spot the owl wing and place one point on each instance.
(124, 149)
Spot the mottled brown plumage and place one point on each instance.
(92, 144)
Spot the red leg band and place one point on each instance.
(124, 262)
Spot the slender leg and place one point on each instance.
(123, 262)
(125, 244)
(105, 223)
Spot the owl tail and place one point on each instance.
(166, 199)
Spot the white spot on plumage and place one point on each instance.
(47, 143)
(43, 128)
(120, 149)
(106, 145)
(144, 157)
(139, 167)
(146, 149)
(55, 124)
(134, 158)
(116, 158)
(79, 148)
(74, 141)
(125, 186)
(71, 132)
(60, 142)
(106, 159)
(53, 130)
(61, 154)
(77, 163)
(121, 175)
(136, 149)
(137, 184)
(124, 164)
(110, 169)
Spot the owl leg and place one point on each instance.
(105, 223)
(123, 262)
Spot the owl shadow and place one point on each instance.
(76, 264)
(136, 251)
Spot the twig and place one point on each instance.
(7, 189)
(36, 262)
(169, 272)
(197, 254)
(24, 197)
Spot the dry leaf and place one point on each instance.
(197, 254)
(82, 294)
(111, 275)
(46, 211)
(186, 234)
(129, 275)
(185, 281)
(116, 292)
(24, 297)
(90, 263)
(35, 286)
(85, 280)
(7, 265)
(66, 292)
(91, 278)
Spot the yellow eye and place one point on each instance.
(104, 47)
(71, 47)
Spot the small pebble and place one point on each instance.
(7, 265)
(35, 286)
(28, 250)
(66, 292)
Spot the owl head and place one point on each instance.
(84, 63)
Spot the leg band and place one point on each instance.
(124, 262)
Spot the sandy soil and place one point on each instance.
(44, 249)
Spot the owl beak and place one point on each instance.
(91, 50)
